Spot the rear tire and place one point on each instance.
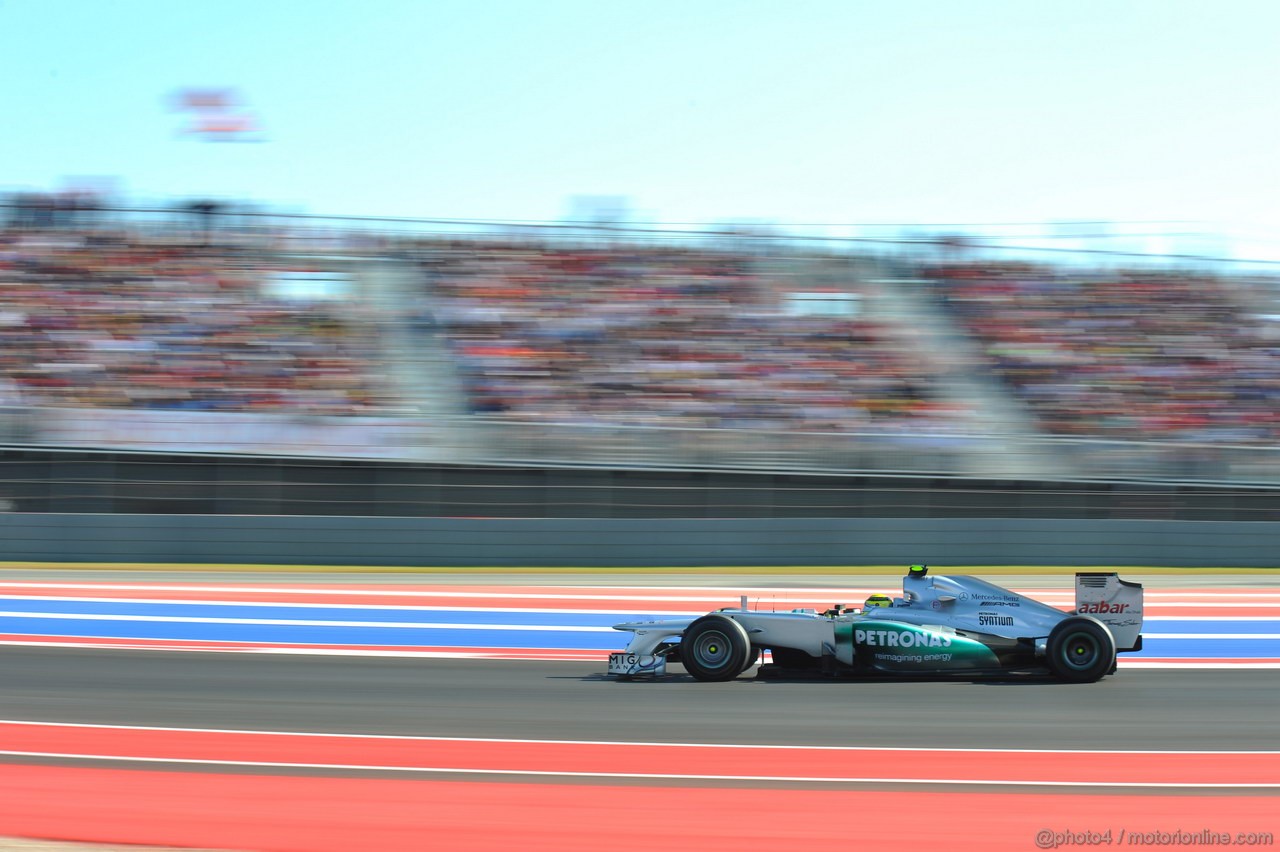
(1081, 650)
(715, 648)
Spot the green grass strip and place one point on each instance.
(833, 570)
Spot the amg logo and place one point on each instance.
(991, 619)
(1102, 607)
(901, 639)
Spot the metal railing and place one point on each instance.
(497, 441)
(250, 224)
(916, 453)
(104, 482)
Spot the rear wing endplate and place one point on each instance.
(1116, 603)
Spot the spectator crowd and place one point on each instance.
(96, 319)
(1140, 355)
(673, 337)
(629, 334)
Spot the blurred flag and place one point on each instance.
(217, 115)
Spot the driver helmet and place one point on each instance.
(877, 600)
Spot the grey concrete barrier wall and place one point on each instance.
(275, 539)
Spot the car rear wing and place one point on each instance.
(1116, 603)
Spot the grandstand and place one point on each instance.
(1128, 354)
(681, 352)
(92, 323)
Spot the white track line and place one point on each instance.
(664, 776)
(713, 593)
(1212, 618)
(582, 592)
(432, 625)
(306, 652)
(496, 609)
(1192, 663)
(660, 744)
(335, 605)
(1203, 605)
(1211, 635)
(299, 622)
(494, 655)
(513, 610)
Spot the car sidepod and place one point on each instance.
(893, 646)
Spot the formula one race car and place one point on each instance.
(940, 625)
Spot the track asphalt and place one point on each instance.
(1177, 710)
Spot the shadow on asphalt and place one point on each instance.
(1013, 679)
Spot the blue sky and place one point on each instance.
(696, 111)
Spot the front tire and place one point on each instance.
(715, 648)
(1081, 650)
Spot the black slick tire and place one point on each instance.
(715, 648)
(1081, 650)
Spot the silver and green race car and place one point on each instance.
(940, 625)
